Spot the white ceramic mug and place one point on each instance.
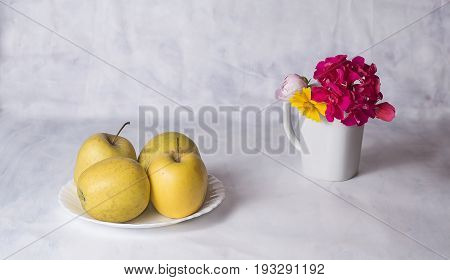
(329, 150)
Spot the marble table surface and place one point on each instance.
(398, 207)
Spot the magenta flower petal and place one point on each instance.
(358, 60)
(338, 58)
(372, 69)
(352, 76)
(385, 111)
(350, 120)
(320, 66)
(361, 118)
(338, 113)
(370, 112)
(377, 85)
(329, 113)
(344, 102)
(319, 94)
(340, 75)
(335, 89)
(326, 67)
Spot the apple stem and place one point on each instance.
(178, 149)
(120, 130)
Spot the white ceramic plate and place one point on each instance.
(68, 199)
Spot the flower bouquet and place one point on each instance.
(347, 91)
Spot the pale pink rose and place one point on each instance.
(291, 84)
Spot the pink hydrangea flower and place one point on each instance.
(351, 90)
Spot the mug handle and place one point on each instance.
(288, 129)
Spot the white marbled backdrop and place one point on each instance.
(72, 68)
(210, 52)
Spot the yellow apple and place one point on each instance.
(164, 143)
(115, 190)
(101, 146)
(179, 183)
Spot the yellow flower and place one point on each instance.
(308, 107)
